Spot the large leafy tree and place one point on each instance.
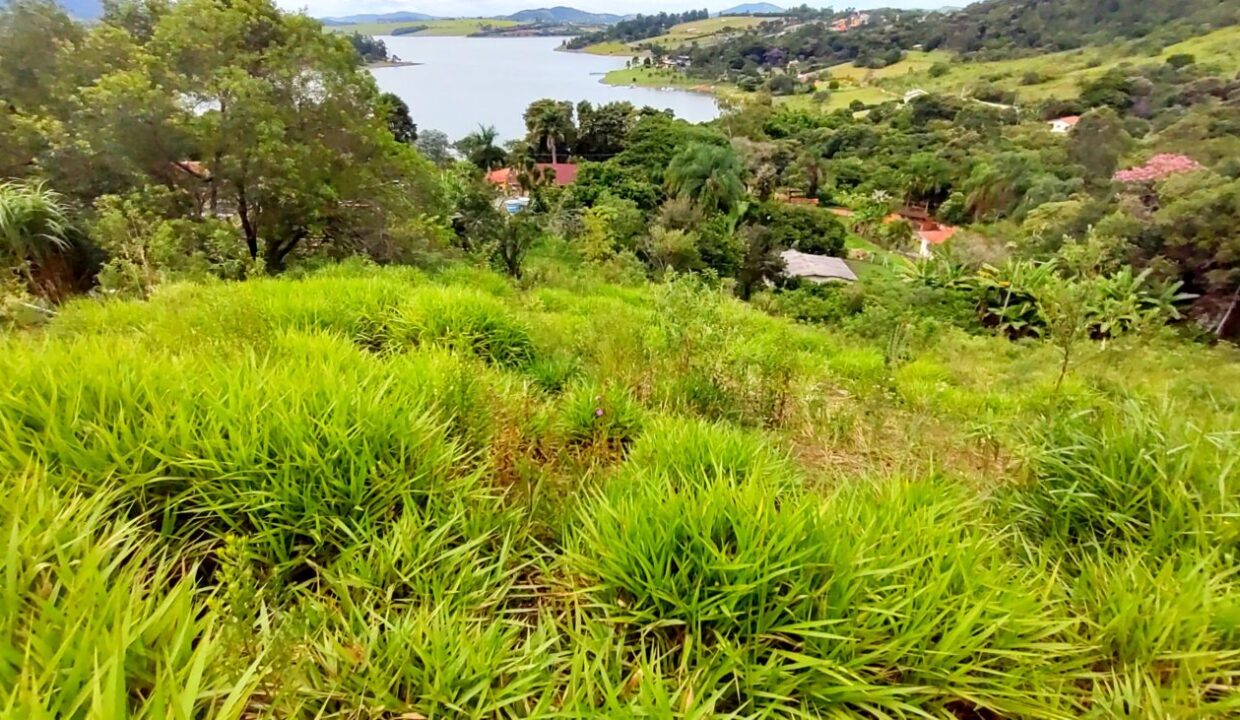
(262, 111)
(708, 174)
(603, 132)
(399, 122)
(550, 125)
(1097, 143)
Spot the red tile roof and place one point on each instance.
(1069, 120)
(500, 177)
(565, 174)
(938, 235)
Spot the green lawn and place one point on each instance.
(441, 28)
(654, 77)
(610, 48)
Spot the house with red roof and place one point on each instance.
(1064, 125)
(562, 174)
(932, 234)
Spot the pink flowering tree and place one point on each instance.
(1159, 167)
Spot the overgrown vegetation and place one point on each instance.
(447, 495)
(305, 415)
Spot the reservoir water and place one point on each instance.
(461, 82)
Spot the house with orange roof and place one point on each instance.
(1064, 125)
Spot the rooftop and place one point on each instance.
(817, 268)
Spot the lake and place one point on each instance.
(462, 82)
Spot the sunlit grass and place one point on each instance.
(441, 495)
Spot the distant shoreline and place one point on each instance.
(390, 64)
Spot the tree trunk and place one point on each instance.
(243, 212)
(1231, 309)
(555, 158)
(278, 252)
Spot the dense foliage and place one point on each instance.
(201, 110)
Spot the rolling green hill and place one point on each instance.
(457, 27)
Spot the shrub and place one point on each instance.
(1128, 475)
(713, 556)
(696, 450)
(846, 605)
(80, 586)
(600, 416)
(241, 445)
(462, 321)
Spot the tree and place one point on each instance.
(807, 229)
(709, 174)
(928, 179)
(811, 168)
(435, 146)
(260, 111)
(550, 125)
(602, 133)
(369, 49)
(480, 149)
(514, 242)
(477, 221)
(1097, 142)
(276, 121)
(398, 120)
(762, 262)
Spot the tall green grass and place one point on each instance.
(374, 493)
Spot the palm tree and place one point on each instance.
(550, 123)
(708, 174)
(34, 232)
(480, 149)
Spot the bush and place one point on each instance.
(601, 417)
(818, 594)
(1127, 476)
(463, 321)
(693, 450)
(238, 445)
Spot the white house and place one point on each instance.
(1064, 125)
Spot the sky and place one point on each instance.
(487, 8)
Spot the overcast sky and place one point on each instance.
(486, 8)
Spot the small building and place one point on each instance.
(1064, 125)
(913, 94)
(818, 269)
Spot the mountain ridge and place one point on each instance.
(763, 8)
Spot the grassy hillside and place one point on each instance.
(443, 495)
(1058, 75)
(445, 28)
(1055, 75)
(701, 31)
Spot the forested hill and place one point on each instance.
(995, 29)
(1063, 24)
